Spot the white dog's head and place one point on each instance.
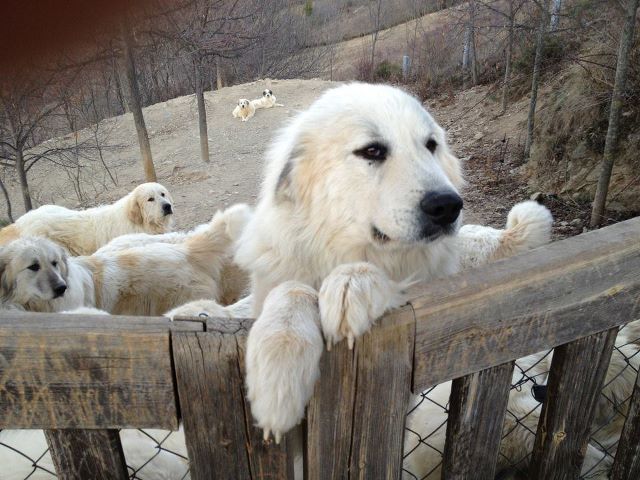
(150, 205)
(243, 103)
(371, 163)
(32, 269)
(267, 93)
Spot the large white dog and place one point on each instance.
(37, 275)
(360, 197)
(146, 209)
(268, 100)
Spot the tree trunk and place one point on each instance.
(466, 49)
(22, 178)
(555, 15)
(474, 59)
(202, 111)
(611, 142)
(6, 197)
(507, 67)
(135, 104)
(535, 80)
(218, 74)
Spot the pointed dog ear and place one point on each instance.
(452, 165)
(134, 212)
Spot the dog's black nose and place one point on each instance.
(59, 290)
(442, 208)
(166, 208)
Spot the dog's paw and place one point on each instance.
(283, 354)
(352, 297)
(236, 218)
(198, 308)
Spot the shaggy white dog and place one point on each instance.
(146, 209)
(244, 110)
(37, 275)
(360, 197)
(268, 100)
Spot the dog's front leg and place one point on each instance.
(283, 356)
(352, 297)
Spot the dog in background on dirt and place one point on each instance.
(244, 110)
(359, 200)
(146, 209)
(37, 275)
(268, 100)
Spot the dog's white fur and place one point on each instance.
(82, 232)
(244, 110)
(314, 226)
(143, 280)
(268, 100)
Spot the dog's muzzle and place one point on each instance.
(166, 209)
(440, 211)
(58, 290)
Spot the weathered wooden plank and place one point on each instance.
(627, 462)
(527, 303)
(221, 439)
(68, 371)
(356, 418)
(577, 374)
(474, 429)
(82, 454)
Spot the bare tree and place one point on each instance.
(611, 142)
(135, 104)
(469, 64)
(555, 15)
(5, 193)
(535, 77)
(375, 14)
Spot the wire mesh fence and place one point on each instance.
(426, 420)
(160, 454)
(150, 455)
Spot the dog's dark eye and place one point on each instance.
(431, 145)
(151, 199)
(375, 151)
(34, 267)
(162, 194)
(54, 263)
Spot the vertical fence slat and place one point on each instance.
(221, 439)
(355, 422)
(476, 414)
(627, 463)
(577, 374)
(82, 454)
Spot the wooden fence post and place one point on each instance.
(627, 463)
(82, 454)
(474, 429)
(577, 373)
(355, 421)
(221, 439)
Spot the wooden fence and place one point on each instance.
(80, 378)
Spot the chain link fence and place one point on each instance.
(150, 455)
(160, 454)
(426, 420)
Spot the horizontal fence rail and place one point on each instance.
(80, 377)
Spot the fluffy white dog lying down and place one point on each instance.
(146, 209)
(268, 100)
(244, 110)
(37, 275)
(360, 197)
(524, 413)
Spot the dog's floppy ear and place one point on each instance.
(134, 211)
(285, 188)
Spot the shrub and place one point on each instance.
(386, 71)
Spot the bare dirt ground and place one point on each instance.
(237, 153)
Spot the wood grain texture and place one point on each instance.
(575, 381)
(627, 462)
(83, 454)
(71, 371)
(474, 429)
(527, 303)
(356, 418)
(221, 439)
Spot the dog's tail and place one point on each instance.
(528, 226)
(211, 245)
